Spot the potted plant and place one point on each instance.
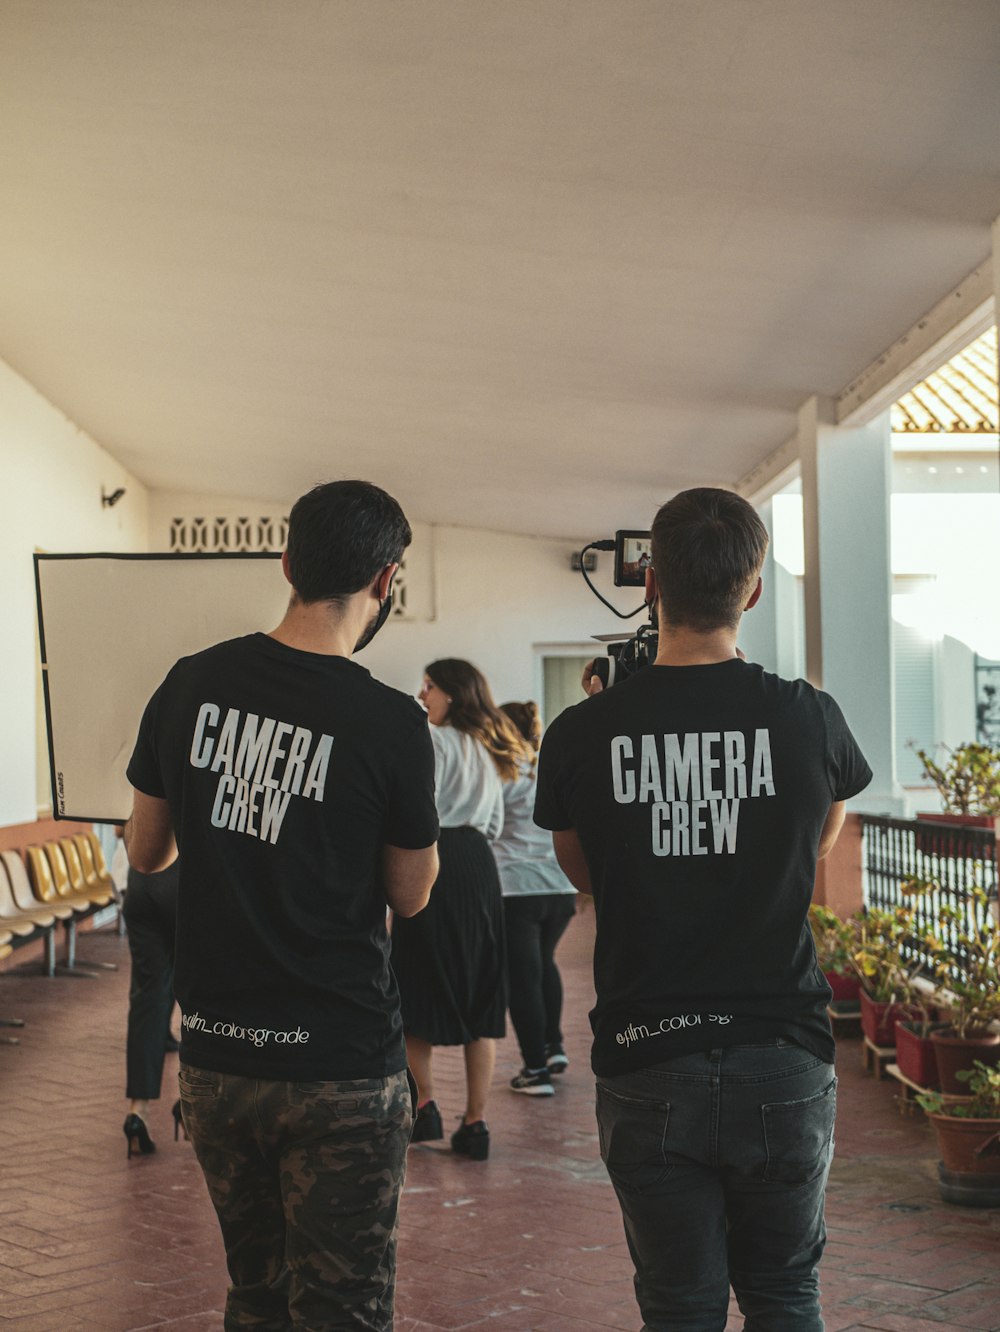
(968, 1134)
(916, 1056)
(968, 974)
(968, 782)
(887, 973)
(836, 941)
(916, 1053)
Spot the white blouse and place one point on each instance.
(469, 792)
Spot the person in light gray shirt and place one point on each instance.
(539, 903)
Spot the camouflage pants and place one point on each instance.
(305, 1178)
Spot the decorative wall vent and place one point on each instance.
(227, 536)
(400, 594)
(240, 536)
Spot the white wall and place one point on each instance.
(956, 705)
(953, 540)
(52, 474)
(498, 600)
(954, 713)
(501, 602)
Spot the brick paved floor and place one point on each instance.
(530, 1239)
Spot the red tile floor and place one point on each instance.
(530, 1239)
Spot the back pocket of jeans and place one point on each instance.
(797, 1136)
(633, 1136)
(198, 1084)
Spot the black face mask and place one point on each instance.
(377, 621)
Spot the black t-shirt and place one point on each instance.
(286, 772)
(699, 794)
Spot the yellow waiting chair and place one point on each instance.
(51, 882)
(95, 869)
(21, 912)
(43, 886)
(91, 889)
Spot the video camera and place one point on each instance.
(627, 653)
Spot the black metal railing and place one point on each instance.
(955, 859)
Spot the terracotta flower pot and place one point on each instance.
(965, 1190)
(846, 989)
(968, 1146)
(915, 1055)
(954, 1053)
(878, 1020)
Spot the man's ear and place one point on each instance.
(284, 567)
(651, 590)
(755, 595)
(383, 584)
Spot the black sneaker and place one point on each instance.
(427, 1126)
(472, 1140)
(555, 1059)
(533, 1084)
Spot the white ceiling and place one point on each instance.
(531, 264)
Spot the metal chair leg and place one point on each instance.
(50, 952)
(76, 966)
(69, 967)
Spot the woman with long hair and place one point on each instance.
(539, 903)
(449, 959)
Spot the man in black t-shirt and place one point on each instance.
(301, 794)
(693, 801)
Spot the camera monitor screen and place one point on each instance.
(633, 556)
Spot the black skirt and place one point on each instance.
(449, 958)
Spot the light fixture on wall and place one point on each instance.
(109, 501)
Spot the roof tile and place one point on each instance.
(959, 398)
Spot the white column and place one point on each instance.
(846, 492)
(814, 415)
(758, 636)
(789, 605)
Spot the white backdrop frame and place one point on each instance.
(110, 627)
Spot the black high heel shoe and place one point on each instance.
(138, 1137)
(179, 1125)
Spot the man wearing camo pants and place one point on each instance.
(301, 792)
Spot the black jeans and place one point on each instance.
(720, 1161)
(534, 926)
(150, 910)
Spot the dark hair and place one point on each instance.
(708, 548)
(340, 535)
(473, 711)
(525, 717)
